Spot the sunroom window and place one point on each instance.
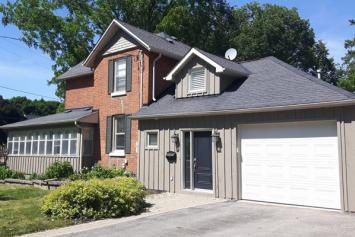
(44, 143)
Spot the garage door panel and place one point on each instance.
(295, 163)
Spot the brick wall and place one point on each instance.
(93, 91)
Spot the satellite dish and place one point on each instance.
(231, 54)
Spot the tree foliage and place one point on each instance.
(19, 108)
(66, 30)
(348, 73)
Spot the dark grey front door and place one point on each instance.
(202, 165)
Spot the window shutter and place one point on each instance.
(129, 73)
(128, 135)
(109, 134)
(111, 74)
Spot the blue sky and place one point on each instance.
(29, 69)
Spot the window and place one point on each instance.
(197, 81)
(120, 76)
(152, 139)
(118, 133)
(60, 143)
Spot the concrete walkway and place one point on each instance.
(160, 203)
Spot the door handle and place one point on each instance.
(195, 163)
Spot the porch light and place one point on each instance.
(175, 139)
(215, 136)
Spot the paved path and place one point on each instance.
(234, 219)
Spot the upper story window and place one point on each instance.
(197, 82)
(120, 76)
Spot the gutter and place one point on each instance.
(154, 64)
(251, 110)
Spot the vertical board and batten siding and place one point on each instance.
(38, 164)
(156, 173)
(182, 80)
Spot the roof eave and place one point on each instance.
(75, 76)
(250, 110)
(90, 59)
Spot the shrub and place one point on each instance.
(99, 172)
(95, 199)
(58, 170)
(6, 173)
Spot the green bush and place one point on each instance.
(58, 170)
(6, 173)
(99, 172)
(95, 199)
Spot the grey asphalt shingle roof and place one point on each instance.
(59, 118)
(271, 83)
(158, 44)
(76, 71)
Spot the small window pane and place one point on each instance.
(9, 148)
(28, 146)
(73, 147)
(34, 147)
(49, 147)
(119, 141)
(65, 147)
(22, 148)
(119, 124)
(65, 135)
(152, 139)
(73, 134)
(41, 147)
(57, 147)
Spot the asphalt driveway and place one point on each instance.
(234, 219)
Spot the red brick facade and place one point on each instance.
(93, 91)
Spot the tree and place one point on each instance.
(66, 30)
(324, 63)
(203, 24)
(348, 73)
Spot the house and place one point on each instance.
(185, 120)
(123, 72)
(259, 130)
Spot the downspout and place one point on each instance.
(141, 67)
(153, 89)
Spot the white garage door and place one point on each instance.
(293, 163)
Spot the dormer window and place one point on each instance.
(197, 82)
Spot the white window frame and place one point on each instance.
(34, 135)
(201, 90)
(147, 135)
(115, 77)
(121, 151)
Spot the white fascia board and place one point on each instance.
(183, 61)
(104, 35)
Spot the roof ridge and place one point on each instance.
(311, 77)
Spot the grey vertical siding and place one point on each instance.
(156, 173)
(38, 164)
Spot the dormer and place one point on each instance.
(200, 73)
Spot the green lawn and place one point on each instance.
(20, 211)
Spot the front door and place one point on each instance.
(202, 163)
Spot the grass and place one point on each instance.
(20, 211)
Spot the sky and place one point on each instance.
(28, 69)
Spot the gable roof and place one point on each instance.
(152, 42)
(272, 85)
(78, 70)
(69, 116)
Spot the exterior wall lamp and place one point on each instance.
(216, 139)
(175, 140)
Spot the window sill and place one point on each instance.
(120, 153)
(118, 93)
(152, 148)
